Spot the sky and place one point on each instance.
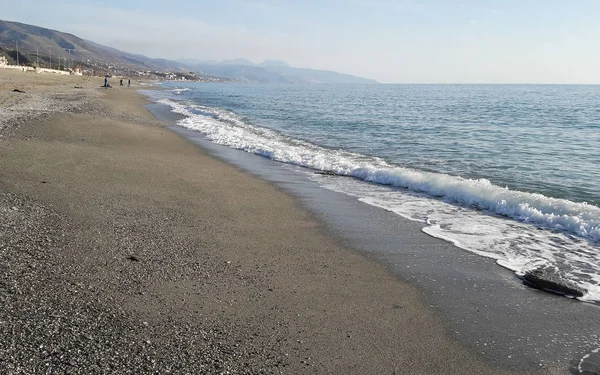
(392, 41)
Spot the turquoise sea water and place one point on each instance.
(510, 172)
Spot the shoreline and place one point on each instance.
(469, 212)
(486, 307)
(127, 247)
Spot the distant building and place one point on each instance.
(3, 61)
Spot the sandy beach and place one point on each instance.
(124, 248)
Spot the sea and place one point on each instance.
(508, 172)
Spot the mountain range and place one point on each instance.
(51, 48)
(270, 71)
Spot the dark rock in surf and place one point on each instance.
(548, 279)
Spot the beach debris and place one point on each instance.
(549, 279)
(17, 90)
(326, 173)
(133, 258)
(332, 173)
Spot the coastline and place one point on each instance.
(143, 252)
(485, 307)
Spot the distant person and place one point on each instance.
(121, 82)
(129, 82)
(105, 81)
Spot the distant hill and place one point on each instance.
(41, 44)
(272, 71)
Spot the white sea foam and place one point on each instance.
(514, 245)
(573, 229)
(150, 84)
(179, 91)
(229, 129)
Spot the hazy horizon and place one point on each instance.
(389, 41)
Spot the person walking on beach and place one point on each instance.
(105, 81)
(129, 82)
(121, 82)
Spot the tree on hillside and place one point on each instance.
(23, 60)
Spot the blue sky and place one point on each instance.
(401, 41)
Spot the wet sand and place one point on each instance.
(124, 247)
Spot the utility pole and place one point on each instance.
(17, 41)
